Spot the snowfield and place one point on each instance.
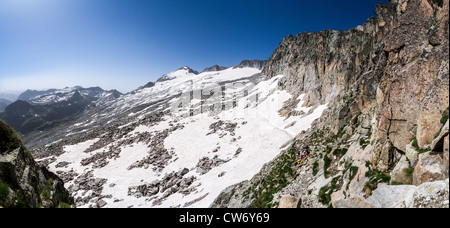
(204, 152)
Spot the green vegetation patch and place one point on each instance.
(375, 177)
(63, 205)
(4, 192)
(315, 168)
(444, 117)
(326, 165)
(415, 144)
(326, 191)
(46, 192)
(279, 177)
(15, 200)
(340, 152)
(9, 139)
(363, 143)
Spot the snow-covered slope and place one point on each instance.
(144, 100)
(94, 94)
(199, 133)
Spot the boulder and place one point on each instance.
(431, 195)
(101, 203)
(402, 173)
(429, 168)
(353, 202)
(31, 185)
(28, 183)
(392, 196)
(356, 185)
(289, 202)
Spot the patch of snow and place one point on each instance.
(259, 133)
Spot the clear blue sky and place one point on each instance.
(124, 44)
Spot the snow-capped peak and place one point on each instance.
(182, 72)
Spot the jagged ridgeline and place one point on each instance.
(384, 138)
(24, 184)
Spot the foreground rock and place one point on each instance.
(431, 195)
(391, 196)
(386, 86)
(427, 195)
(25, 184)
(289, 202)
(429, 168)
(402, 173)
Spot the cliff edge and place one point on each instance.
(386, 84)
(23, 183)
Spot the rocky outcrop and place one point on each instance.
(23, 183)
(205, 164)
(388, 66)
(289, 202)
(413, 92)
(429, 168)
(168, 77)
(427, 195)
(431, 195)
(386, 196)
(172, 183)
(258, 64)
(386, 84)
(232, 197)
(214, 68)
(149, 85)
(402, 173)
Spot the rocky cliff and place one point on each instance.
(23, 183)
(386, 84)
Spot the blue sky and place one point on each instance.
(124, 44)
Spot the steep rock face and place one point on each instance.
(386, 87)
(414, 87)
(22, 182)
(258, 64)
(394, 67)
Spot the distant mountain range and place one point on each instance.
(40, 110)
(4, 103)
(93, 94)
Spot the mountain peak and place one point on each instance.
(259, 64)
(183, 71)
(214, 68)
(188, 69)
